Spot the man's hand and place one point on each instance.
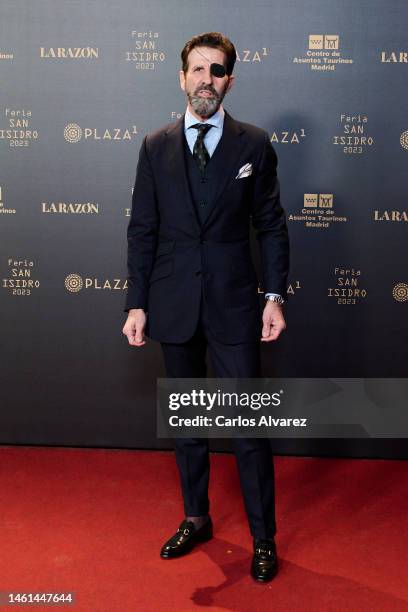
(273, 321)
(134, 327)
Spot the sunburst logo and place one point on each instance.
(73, 132)
(74, 283)
(400, 292)
(404, 139)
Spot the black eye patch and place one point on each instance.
(218, 70)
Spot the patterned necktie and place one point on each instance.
(200, 153)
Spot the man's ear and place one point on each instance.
(182, 80)
(231, 82)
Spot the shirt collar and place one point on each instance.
(217, 120)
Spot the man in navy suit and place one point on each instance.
(192, 286)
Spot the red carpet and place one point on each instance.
(93, 522)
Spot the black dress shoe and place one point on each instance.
(265, 561)
(185, 538)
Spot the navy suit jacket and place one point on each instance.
(172, 258)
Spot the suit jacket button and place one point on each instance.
(203, 203)
(198, 273)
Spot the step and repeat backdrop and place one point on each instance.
(82, 82)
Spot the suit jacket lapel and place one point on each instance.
(229, 150)
(176, 165)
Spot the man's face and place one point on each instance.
(205, 91)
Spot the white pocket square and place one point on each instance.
(246, 170)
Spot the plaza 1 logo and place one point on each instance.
(146, 54)
(317, 211)
(74, 283)
(20, 279)
(250, 56)
(347, 288)
(288, 136)
(3, 209)
(73, 133)
(18, 131)
(323, 53)
(353, 137)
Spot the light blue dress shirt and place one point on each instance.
(212, 137)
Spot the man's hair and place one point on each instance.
(210, 39)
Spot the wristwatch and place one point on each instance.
(275, 298)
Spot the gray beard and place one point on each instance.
(204, 107)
